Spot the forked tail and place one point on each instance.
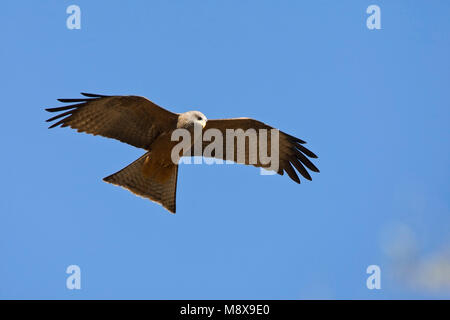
(132, 178)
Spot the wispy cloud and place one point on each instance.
(425, 272)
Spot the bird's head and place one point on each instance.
(191, 119)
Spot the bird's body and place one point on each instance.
(159, 166)
(141, 123)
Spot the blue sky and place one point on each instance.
(373, 104)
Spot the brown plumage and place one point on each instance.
(143, 124)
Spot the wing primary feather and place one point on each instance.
(72, 106)
(77, 100)
(60, 115)
(295, 139)
(58, 123)
(291, 172)
(300, 168)
(306, 151)
(306, 161)
(93, 95)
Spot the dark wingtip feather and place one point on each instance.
(313, 168)
(306, 151)
(73, 106)
(54, 125)
(303, 159)
(62, 121)
(295, 139)
(93, 95)
(60, 115)
(291, 172)
(76, 100)
(300, 168)
(59, 108)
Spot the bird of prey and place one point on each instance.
(143, 124)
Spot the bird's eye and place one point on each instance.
(199, 118)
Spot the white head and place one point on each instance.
(191, 119)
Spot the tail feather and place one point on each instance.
(133, 179)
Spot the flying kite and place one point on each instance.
(143, 124)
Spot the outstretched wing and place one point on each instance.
(292, 153)
(131, 119)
